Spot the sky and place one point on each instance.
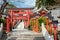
(21, 3)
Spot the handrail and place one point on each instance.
(45, 33)
(17, 24)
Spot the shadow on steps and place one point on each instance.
(39, 38)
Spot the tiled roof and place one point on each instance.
(19, 8)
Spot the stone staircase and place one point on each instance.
(24, 35)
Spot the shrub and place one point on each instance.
(30, 28)
(3, 21)
(40, 20)
(4, 25)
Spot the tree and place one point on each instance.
(10, 6)
(5, 3)
(40, 3)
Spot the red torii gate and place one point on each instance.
(17, 14)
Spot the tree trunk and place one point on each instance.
(3, 7)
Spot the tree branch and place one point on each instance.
(3, 6)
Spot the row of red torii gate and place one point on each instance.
(17, 14)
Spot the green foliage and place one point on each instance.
(30, 28)
(44, 3)
(30, 22)
(40, 20)
(4, 25)
(38, 3)
(10, 6)
(3, 21)
(50, 2)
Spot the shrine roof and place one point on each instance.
(19, 8)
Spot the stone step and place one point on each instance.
(26, 38)
(33, 38)
(25, 35)
(36, 38)
(18, 35)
